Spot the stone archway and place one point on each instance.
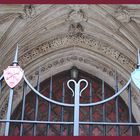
(63, 59)
(51, 37)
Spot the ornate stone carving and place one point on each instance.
(80, 40)
(77, 15)
(122, 14)
(74, 58)
(75, 28)
(29, 12)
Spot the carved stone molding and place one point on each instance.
(74, 58)
(82, 40)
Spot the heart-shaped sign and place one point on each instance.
(13, 75)
(135, 75)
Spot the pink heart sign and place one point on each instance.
(13, 75)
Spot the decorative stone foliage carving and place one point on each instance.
(77, 15)
(75, 28)
(122, 14)
(29, 12)
(82, 40)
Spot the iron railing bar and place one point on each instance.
(36, 104)
(0, 86)
(45, 98)
(0, 94)
(36, 115)
(72, 105)
(117, 116)
(58, 122)
(110, 98)
(76, 110)
(110, 123)
(9, 110)
(38, 122)
(130, 107)
(91, 109)
(117, 104)
(62, 109)
(23, 106)
(1, 91)
(1, 77)
(104, 107)
(49, 106)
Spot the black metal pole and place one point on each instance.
(8, 116)
(49, 107)
(23, 107)
(91, 110)
(130, 108)
(36, 106)
(117, 105)
(62, 110)
(10, 102)
(0, 86)
(104, 108)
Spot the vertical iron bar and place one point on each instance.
(130, 106)
(104, 114)
(91, 110)
(36, 105)
(8, 116)
(1, 86)
(10, 102)
(0, 92)
(62, 110)
(117, 105)
(76, 109)
(49, 107)
(23, 107)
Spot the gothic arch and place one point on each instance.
(64, 59)
(98, 39)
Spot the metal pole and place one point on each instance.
(23, 107)
(49, 107)
(9, 112)
(117, 105)
(76, 109)
(62, 110)
(76, 93)
(130, 108)
(104, 108)
(36, 105)
(91, 110)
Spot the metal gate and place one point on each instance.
(76, 92)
